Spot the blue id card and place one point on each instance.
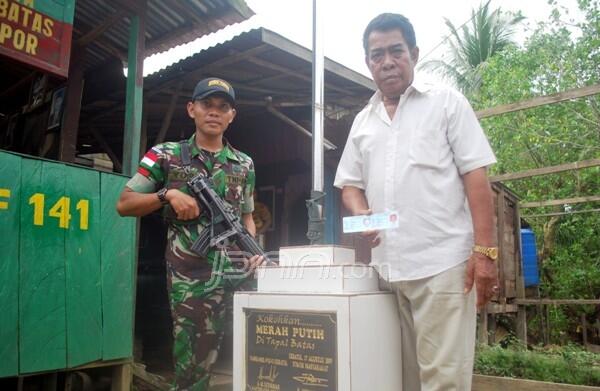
(378, 221)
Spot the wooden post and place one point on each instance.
(540, 314)
(144, 130)
(483, 326)
(70, 124)
(584, 329)
(501, 203)
(547, 317)
(522, 324)
(521, 321)
(492, 327)
(122, 376)
(135, 87)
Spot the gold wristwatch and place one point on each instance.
(490, 252)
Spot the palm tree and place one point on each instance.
(472, 44)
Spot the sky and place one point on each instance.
(345, 20)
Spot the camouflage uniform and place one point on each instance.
(197, 290)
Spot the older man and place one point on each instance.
(419, 150)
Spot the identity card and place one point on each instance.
(378, 221)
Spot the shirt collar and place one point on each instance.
(421, 86)
(228, 152)
(417, 85)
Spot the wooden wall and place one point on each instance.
(66, 273)
(509, 242)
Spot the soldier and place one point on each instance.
(197, 290)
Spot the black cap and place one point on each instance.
(213, 85)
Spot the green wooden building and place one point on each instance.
(67, 269)
(68, 261)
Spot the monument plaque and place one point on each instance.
(290, 350)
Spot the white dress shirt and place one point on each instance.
(413, 164)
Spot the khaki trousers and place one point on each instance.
(438, 331)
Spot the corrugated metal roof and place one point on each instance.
(245, 41)
(168, 23)
(160, 61)
(261, 65)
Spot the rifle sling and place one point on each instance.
(186, 157)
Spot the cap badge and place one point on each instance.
(217, 82)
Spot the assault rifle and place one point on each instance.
(225, 227)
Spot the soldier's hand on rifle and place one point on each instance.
(251, 264)
(184, 205)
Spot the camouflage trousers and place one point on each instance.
(198, 310)
(198, 314)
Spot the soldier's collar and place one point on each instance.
(228, 152)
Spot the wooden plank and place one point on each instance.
(326, 143)
(500, 308)
(556, 301)
(274, 39)
(118, 241)
(8, 91)
(166, 123)
(42, 338)
(590, 347)
(193, 75)
(545, 170)
(83, 272)
(10, 194)
(494, 383)
(540, 101)
(574, 200)
(294, 73)
(100, 28)
(572, 212)
(106, 147)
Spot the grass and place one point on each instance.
(569, 364)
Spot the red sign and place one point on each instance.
(37, 32)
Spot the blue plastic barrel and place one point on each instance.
(529, 256)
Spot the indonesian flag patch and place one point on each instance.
(148, 161)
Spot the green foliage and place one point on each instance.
(567, 364)
(557, 57)
(576, 261)
(472, 45)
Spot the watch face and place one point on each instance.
(493, 253)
